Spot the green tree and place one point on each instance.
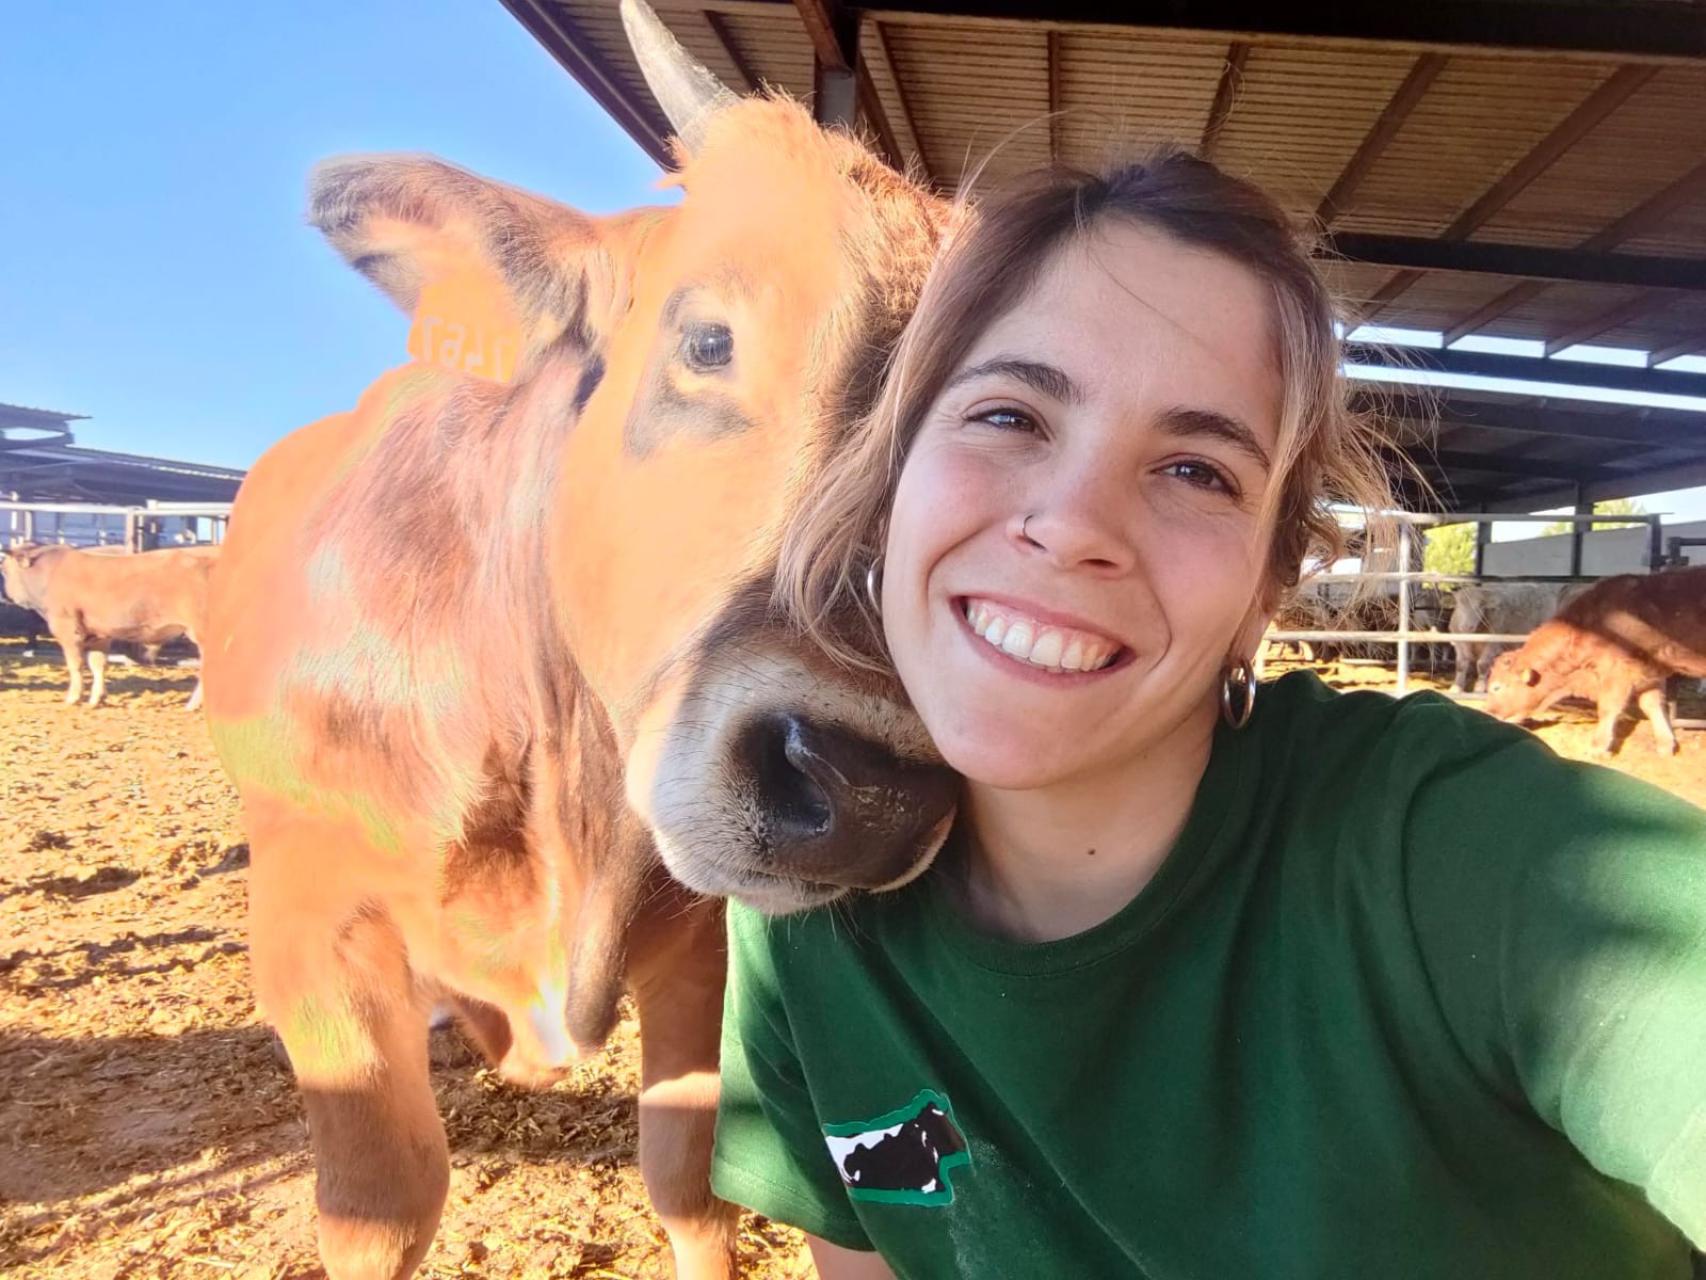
(1613, 507)
(1450, 548)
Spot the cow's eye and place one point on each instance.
(707, 346)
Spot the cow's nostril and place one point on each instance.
(838, 808)
(795, 803)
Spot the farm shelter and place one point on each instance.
(1508, 169)
(53, 489)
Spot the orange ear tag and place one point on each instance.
(464, 321)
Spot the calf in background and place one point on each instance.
(1619, 639)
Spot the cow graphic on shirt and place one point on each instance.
(902, 1157)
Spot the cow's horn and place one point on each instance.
(688, 93)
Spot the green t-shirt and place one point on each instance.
(1411, 997)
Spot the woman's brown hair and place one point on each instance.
(1328, 455)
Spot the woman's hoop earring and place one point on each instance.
(1237, 712)
(874, 585)
(1025, 526)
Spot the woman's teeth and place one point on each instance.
(1056, 649)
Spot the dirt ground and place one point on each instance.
(147, 1127)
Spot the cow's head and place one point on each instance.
(704, 361)
(16, 562)
(1524, 682)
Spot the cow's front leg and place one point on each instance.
(1613, 699)
(71, 645)
(680, 999)
(1464, 674)
(97, 668)
(337, 987)
(1652, 704)
(195, 694)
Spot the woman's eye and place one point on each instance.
(707, 347)
(1006, 419)
(1200, 474)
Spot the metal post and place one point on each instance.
(1483, 535)
(1655, 545)
(132, 532)
(1578, 532)
(835, 97)
(1404, 609)
(29, 525)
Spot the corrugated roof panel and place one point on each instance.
(1439, 299)
(1480, 117)
(971, 101)
(1681, 318)
(1300, 114)
(1647, 143)
(1124, 93)
(776, 48)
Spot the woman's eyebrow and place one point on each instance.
(1045, 379)
(1182, 421)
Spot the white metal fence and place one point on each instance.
(1403, 637)
(136, 528)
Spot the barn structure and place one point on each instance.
(1480, 169)
(54, 489)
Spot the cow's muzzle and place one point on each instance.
(842, 810)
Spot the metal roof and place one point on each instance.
(58, 472)
(20, 423)
(1529, 169)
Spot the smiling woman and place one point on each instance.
(1195, 987)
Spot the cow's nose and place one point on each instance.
(840, 809)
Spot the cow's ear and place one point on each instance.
(1530, 677)
(490, 274)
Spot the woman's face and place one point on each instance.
(1075, 548)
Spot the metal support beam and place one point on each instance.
(1391, 119)
(835, 96)
(1636, 308)
(872, 105)
(1642, 218)
(1478, 257)
(1634, 427)
(1453, 460)
(878, 49)
(720, 29)
(1684, 475)
(1631, 30)
(842, 86)
(1577, 373)
(1577, 533)
(1676, 350)
(833, 31)
(1231, 73)
(1612, 93)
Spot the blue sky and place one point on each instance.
(155, 270)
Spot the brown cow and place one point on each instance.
(91, 599)
(1619, 639)
(481, 649)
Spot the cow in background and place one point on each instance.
(1619, 639)
(486, 646)
(1498, 608)
(92, 599)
